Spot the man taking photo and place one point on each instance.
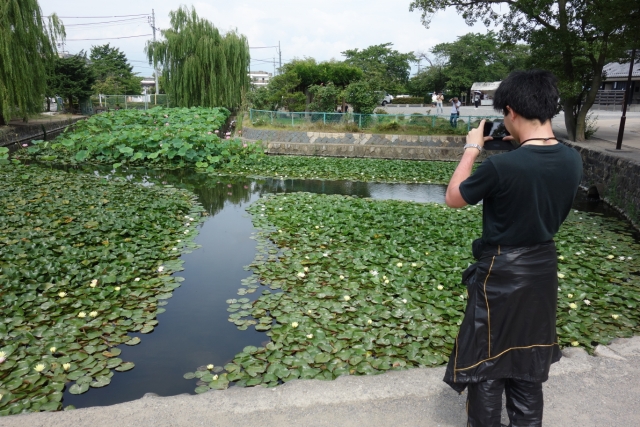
(507, 340)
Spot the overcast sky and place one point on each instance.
(305, 28)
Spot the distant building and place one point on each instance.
(616, 79)
(260, 78)
(149, 83)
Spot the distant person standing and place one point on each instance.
(434, 99)
(476, 100)
(455, 112)
(439, 100)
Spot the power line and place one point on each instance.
(108, 38)
(105, 22)
(98, 17)
(262, 47)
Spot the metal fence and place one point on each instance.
(361, 121)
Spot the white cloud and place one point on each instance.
(304, 28)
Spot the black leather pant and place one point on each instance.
(524, 403)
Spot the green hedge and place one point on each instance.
(414, 100)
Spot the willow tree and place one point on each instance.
(27, 47)
(201, 66)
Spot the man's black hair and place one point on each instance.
(533, 94)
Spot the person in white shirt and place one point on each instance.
(439, 99)
(434, 99)
(455, 112)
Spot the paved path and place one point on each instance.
(582, 390)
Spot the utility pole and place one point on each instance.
(627, 99)
(153, 27)
(280, 53)
(274, 66)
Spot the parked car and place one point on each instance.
(385, 98)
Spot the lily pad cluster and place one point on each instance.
(83, 262)
(168, 137)
(354, 169)
(361, 287)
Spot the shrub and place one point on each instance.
(391, 126)
(380, 111)
(413, 100)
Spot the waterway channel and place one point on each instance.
(194, 330)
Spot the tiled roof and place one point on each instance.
(617, 70)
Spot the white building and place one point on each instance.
(260, 78)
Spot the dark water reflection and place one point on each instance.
(194, 330)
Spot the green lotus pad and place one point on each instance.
(370, 286)
(370, 170)
(82, 262)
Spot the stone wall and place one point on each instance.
(408, 147)
(615, 177)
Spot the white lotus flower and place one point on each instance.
(384, 277)
(160, 269)
(306, 269)
(613, 247)
(215, 378)
(82, 314)
(573, 306)
(294, 324)
(341, 277)
(404, 300)
(575, 343)
(39, 367)
(52, 349)
(560, 276)
(94, 283)
(209, 367)
(178, 241)
(310, 336)
(117, 288)
(301, 274)
(399, 264)
(440, 287)
(174, 249)
(570, 295)
(309, 311)
(374, 272)
(3, 356)
(577, 253)
(93, 314)
(191, 219)
(326, 254)
(186, 231)
(629, 258)
(137, 279)
(587, 302)
(346, 298)
(369, 322)
(621, 258)
(610, 257)
(317, 226)
(62, 294)
(560, 257)
(615, 316)
(66, 366)
(186, 217)
(386, 281)
(413, 264)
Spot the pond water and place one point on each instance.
(194, 330)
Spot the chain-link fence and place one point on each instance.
(355, 122)
(128, 102)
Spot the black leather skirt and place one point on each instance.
(509, 327)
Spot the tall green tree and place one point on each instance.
(325, 97)
(113, 73)
(572, 38)
(72, 78)
(478, 57)
(428, 80)
(384, 67)
(309, 72)
(201, 66)
(27, 46)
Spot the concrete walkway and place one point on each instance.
(582, 390)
